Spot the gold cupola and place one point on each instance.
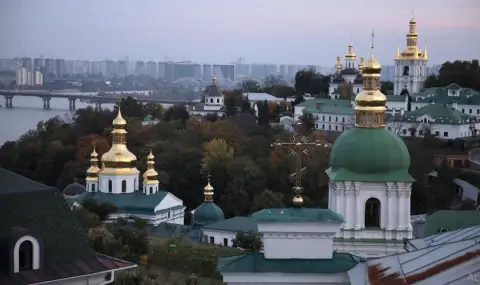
(208, 191)
(370, 103)
(119, 160)
(92, 171)
(350, 54)
(411, 51)
(150, 176)
(338, 66)
(214, 80)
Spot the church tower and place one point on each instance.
(410, 65)
(150, 177)
(369, 181)
(350, 57)
(92, 172)
(119, 173)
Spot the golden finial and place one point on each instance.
(214, 80)
(350, 54)
(412, 19)
(208, 193)
(425, 56)
(297, 197)
(94, 151)
(372, 63)
(398, 52)
(360, 65)
(338, 66)
(119, 120)
(150, 155)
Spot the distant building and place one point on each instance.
(28, 78)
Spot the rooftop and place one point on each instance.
(437, 114)
(297, 215)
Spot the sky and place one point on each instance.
(221, 31)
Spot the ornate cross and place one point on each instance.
(298, 147)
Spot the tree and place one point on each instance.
(263, 115)
(386, 87)
(85, 147)
(311, 82)
(464, 73)
(307, 122)
(86, 219)
(176, 112)
(130, 107)
(346, 91)
(216, 152)
(249, 241)
(266, 199)
(230, 108)
(100, 209)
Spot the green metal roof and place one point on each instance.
(135, 202)
(396, 98)
(439, 95)
(235, 224)
(257, 263)
(440, 114)
(322, 101)
(365, 154)
(208, 212)
(331, 109)
(148, 118)
(12, 182)
(297, 215)
(450, 220)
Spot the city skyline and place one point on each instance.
(214, 31)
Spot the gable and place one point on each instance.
(169, 201)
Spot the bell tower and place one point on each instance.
(410, 65)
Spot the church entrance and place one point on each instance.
(372, 213)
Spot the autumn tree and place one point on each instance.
(307, 121)
(346, 91)
(216, 152)
(85, 147)
(266, 199)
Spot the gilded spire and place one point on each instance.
(92, 171)
(208, 190)
(425, 56)
(370, 103)
(397, 56)
(214, 80)
(411, 52)
(151, 175)
(119, 120)
(338, 66)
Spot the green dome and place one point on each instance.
(369, 154)
(207, 213)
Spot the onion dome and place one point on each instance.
(119, 160)
(208, 212)
(150, 176)
(74, 189)
(93, 170)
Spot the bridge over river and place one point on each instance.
(97, 100)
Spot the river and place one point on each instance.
(28, 111)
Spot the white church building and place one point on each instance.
(117, 182)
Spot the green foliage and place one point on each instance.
(249, 242)
(100, 209)
(307, 122)
(309, 81)
(464, 73)
(86, 219)
(386, 87)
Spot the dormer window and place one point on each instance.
(443, 230)
(26, 254)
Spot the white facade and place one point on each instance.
(149, 189)
(472, 110)
(224, 238)
(410, 75)
(27, 78)
(118, 183)
(441, 131)
(285, 279)
(350, 199)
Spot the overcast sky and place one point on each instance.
(220, 31)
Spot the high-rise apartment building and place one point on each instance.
(28, 78)
(152, 69)
(49, 66)
(59, 67)
(27, 63)
(140, 68)
(111, 69)
(122, 68)
(37, 63)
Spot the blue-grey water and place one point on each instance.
(28, 111)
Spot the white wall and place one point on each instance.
(348, 198)
(285, 278)
(443, 131)
(333, 122)
(219, 237)
(131, 179)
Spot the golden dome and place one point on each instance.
(92, 171)
(350, 54)
(119, 120)
(150, 156)
(119, 160)
(372, 63)
(151, 175)
(208, 193)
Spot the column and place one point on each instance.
(358, 214)
(44, 103)
(73, 104)
(401, 209)
(337, 200)
(70, 104)
(47, 99)
(390, 209)
(348, 220)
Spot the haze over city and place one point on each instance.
(266, 31)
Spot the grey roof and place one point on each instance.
(349, 71)
(29, 207)
(213, 91)
(448, 263)
(262, 97)
(443, 238)
(337, 78)
(74, 189)
(439, 114)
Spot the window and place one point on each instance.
(336, 128)
(25, 256)
(453, 92)
(329, 127)
(478, 111)
(469, 111)
(463, 110)
(404, 132)
(343, 128)
(336, 119)
(389, 128)
(218, 100)
(323, 127)
(372, 213)
(416, 108)
(420, 133)
(445, 134)
(316, 126)
(437, 133)
(110, 186)
(211, 100)
(323, 118)
(329, 118)
(424, 120)
(442, 230)
(212, 240)
(358, 90)
(93, 187)
(124, 186)
(225, 241)
(168, 214)
(406, 70)
(343, 120)
(151, 190)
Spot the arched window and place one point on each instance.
(26, 254)
(151, 190)
(124, 186)
(406, 70)
(372, 213)
(110, 186)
